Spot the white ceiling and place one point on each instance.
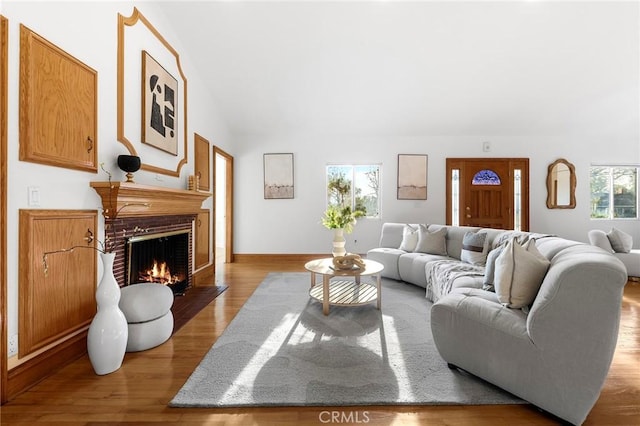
(415, 68)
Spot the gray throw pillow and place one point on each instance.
(475, 246)
(620, 241)
(432, 242)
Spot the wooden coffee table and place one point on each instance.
(344, 292)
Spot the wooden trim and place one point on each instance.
(229, 255)
(277, 258)
(43, 365)
(4, 56)
(130, 21)
(134, 199)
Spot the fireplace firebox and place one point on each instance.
(161, 258)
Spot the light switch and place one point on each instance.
(486, 146)
(34, 196)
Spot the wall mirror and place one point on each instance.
(561, 185)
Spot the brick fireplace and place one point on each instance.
(134, 210)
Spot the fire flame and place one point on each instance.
(159, 273)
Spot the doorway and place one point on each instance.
(223, 207)
(488, 192)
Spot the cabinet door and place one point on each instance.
(59, 299)
(58, 106)
(202, 238)
(202, 160)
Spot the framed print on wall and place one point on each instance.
(412, 177)
(278, 176)
(159, 106)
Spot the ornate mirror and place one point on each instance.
(561, 185)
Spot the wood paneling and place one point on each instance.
(140, 391)
(202, 160)
(58, 299)
(203, 236)
(58, 106)
(4, 56)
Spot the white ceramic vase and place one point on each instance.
(338, 243)
(108, 332)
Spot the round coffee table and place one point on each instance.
(344, 292)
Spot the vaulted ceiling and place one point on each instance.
(415, 68)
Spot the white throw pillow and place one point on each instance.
(475, 246)
(409, 238)
(519, 274)
(432, 242)
(620, 241)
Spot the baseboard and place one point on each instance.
(204, 276)
(29, 373)
(276, 257)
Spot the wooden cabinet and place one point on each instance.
(60, 300)
(58, 106)
(202, 162)
(202, 238)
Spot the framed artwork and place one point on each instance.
(159, 106)
(412, 177)
(278, 176)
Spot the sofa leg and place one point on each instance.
(452, 366)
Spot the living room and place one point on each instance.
(338, 83)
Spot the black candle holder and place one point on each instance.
(129, 164)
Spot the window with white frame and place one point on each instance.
(357, 186)
(614, 192)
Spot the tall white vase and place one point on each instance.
(338, 242)
(108, 332)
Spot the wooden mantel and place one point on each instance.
(135, 200)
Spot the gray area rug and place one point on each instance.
(280, 350)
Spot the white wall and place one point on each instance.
(88, 31)
(293, 226)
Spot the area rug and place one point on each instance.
(280, 350)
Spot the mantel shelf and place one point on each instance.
(135, 200)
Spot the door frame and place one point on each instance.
(513, 163)
(228, 255)
(4, 38)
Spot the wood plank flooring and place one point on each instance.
(139, 392)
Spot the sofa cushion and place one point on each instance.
(411, 267)
(620, 241)
(432, 241)
(474, 248)
(409, 238)
(519, 274)
(389, 258)
(454, 238)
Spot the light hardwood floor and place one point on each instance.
(139, 392)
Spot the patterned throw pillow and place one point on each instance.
(475, 246)
(432, 242)
(409, 238)
(519, 274)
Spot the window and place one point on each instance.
(614, 192)
(357, 186)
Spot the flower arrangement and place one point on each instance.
(341, 218)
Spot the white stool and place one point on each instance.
(147, 308)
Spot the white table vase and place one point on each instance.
(338, 242)
(108, 332)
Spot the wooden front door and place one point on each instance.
(490, 192)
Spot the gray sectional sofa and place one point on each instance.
(553, 351)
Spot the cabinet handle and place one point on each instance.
(88, 237)
(90, 142)
(199, 222)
